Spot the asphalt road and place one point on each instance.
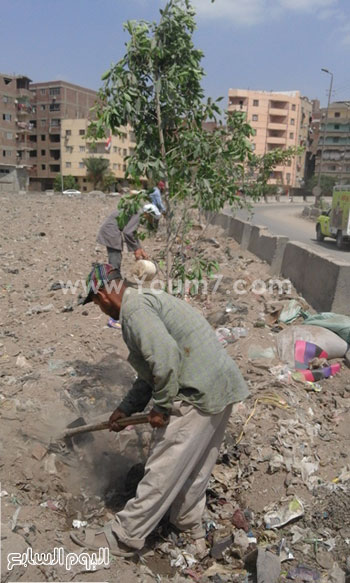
(285, 219)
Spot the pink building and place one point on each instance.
(281, 119)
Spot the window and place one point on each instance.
(43, 137)
(55, 106)
(132, 137)
(33, 154)
(291, 135)
(55, 123)
(253, 147)
(125, 152)
(43, 91)
(6, 116)
(68, 164)
(6, 99)
(33, 139)
(81, 132)
(335, 140)
(42, 152)
(42, 107)
(115, 166)
(337, 114)
(115, 149)
(43, 166)
(68, 132)
(256, 102)
(336, 126)
(9, 135)
(6, 153)
(43, 122)
(124, 167)
(81, 165)
(55, 90)
(293, 107)
(81, 148)
(292, 121)
(255, 117)
(69, 149)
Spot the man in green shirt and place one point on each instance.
(193, 384)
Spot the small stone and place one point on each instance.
(38, 452)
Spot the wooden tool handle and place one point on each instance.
(124, 421)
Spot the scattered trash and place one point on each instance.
(38, 452)
(79, 523)
(225, 336)
(39, 309)
(222, 539)
(239, 332)
(22, 362)
(57, 285)
(113, 323)
(239, 520)
(3, 493)
(303, 574)
(336, 323)
(266, 565)
(183, 560)
(256, 352)
(290, 312)
(284, 552)
(276, 519)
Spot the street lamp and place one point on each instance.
(319, 191)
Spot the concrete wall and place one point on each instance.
(322, 281)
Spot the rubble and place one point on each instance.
(288, 441)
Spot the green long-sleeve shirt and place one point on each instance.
(176, 355)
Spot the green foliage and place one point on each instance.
(327, 183)
(97, 169)
(68, 182)
(156, 88)
(129, 205)
(108, 182)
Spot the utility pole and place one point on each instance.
(317, 189)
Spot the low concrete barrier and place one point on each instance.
(321, 280)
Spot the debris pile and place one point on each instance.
(278, 500)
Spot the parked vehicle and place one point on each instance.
(335, 222)
(71, 191)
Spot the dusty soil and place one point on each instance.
(60, 361)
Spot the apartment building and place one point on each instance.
(75, 147)
(333, 146)
(15, 131)
(281, 119)
(53, 102)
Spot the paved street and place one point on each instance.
(285, 219)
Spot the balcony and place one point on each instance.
(55, 129)
(275, 140)
(276, 126)
(278, 111)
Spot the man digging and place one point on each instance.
(193, 384)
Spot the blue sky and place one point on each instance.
(256, 44)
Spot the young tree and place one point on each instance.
(68, 182)
(156, 88)
(97, 169)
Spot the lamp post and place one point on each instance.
(319, 190)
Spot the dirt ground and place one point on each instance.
(60, 361)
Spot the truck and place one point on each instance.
(335, 222)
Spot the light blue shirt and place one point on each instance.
(156, 199)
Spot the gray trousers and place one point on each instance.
(177, 473)
(115, 259)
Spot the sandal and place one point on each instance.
(107, 539)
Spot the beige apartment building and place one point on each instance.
(53, 102)
(281, 119)
(16, 110)
(75, 147)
